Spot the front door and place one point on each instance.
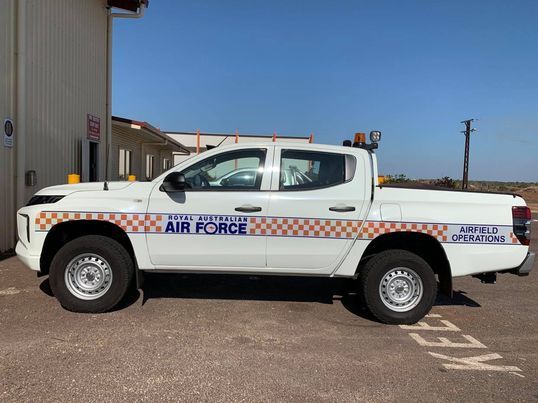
(212, 223)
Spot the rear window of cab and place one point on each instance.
(308, 170)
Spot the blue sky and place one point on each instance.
(412, 69)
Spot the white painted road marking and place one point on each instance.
(475, 363)
(449, 327)
(9, 291)
(444, 342)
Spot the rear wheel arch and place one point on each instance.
(423, 245)
(67, 231)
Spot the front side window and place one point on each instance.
(311, 169)
(234, 170)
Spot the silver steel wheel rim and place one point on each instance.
(401, 289)
(88, 276)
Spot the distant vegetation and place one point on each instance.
(528, 190)
(448, 182)
(497, 186)
(445, 182)
(400, 178)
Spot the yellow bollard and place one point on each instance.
(381, 179)
(131, 178)
(73, 178)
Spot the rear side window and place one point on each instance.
(311, 169)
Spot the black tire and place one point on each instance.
(373, 273)
(120, 264)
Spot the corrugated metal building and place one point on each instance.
(7, 108)
(54, 66)
(141, 149)
(197, 142)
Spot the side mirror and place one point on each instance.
(173, 182)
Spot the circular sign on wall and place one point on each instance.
(9, 131)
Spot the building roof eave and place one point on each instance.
(135, 124)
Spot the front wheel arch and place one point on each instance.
(67, 231)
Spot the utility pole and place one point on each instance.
(467, 132)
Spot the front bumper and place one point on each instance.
(525, 268)
(23, 254)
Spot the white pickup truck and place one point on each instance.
(292, 209)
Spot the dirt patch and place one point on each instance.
(530, 194)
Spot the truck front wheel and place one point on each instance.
(398, 287)
(91, 274)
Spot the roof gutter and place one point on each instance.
(110, 17)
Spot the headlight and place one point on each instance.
(23, 227)
(44, 200)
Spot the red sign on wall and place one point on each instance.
(94, 128)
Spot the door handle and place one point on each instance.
(342, 208)
(247, 208)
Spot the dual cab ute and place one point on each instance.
(276, 209)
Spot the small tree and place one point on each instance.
(445, 182)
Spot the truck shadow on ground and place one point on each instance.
(260, 288)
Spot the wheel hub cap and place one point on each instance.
(88, 276)
(401, 289)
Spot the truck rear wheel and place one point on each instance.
(398, 287)
(91, 274)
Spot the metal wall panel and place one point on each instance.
(65, 79)
(124, 138)
(7, 110)
(159, 153)
(140, 144)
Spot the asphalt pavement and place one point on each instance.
(245, 338)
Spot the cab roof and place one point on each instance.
(304, 146)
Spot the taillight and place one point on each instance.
(521, 217)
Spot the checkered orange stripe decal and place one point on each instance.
(128, 222)
(304, 227)
(284, 227)
(373, 229)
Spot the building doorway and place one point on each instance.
(94, 162)
(90, 161)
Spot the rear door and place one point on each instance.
(316, 208)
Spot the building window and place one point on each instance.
(124, 163)
(167, 164)
(150, 159)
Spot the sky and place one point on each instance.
(413, 69)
